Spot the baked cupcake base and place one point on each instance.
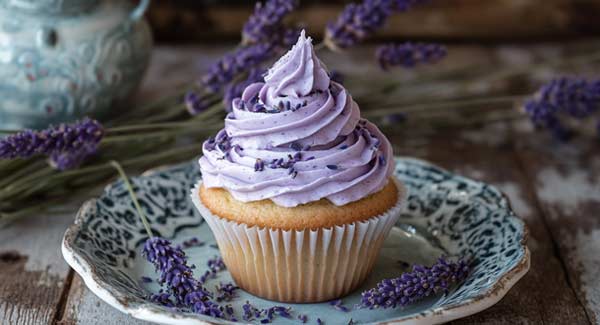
(301, 265)
(313, 215)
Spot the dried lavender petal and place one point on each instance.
(67, 144)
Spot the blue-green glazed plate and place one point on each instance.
(446, 214)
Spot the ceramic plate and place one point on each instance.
(446, 214)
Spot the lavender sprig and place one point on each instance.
(408, 54)
(234, 90)
(67, 144)
(562, 99)
(359, 20)
(194, 103)
(72, 159)
(266, 22)
(175, 275)
(174, 271)
(416, 285)
(232, 64)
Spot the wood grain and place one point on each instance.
(33, 274)
(566, 177)
(542, 296)
(85, 308)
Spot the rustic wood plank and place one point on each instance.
(566, 179)
(85, 308)
(543, 295)
(33, 274)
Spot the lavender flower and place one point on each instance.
(267, 21)
(561, 100)
(235, 89)
(176, 275)
(67, 144)
(72, 159)
(277, 310)
(192, 242)
(232, 64)
(201, 304)
(337, 304)
(358, 21)
(163, 298)
(194, 103)
(216, 264)
(171, 263)
(409, 54)
(289, 37)
(250, 312)
(416, 285)
(146, 279)
(226, 291)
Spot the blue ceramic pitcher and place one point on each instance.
(64, 59)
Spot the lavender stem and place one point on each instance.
(121, 172)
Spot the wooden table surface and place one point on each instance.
(554, 187)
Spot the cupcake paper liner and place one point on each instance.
(300, 265)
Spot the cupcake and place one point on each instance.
(297, 188)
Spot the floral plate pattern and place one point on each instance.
(446, 214)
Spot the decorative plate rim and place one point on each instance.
(490, 297)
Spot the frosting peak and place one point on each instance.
(297, 138)
(299, 72)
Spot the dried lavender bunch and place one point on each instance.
(561, 100)
(416, 285)
(76, 140)
(266, 23)
(358, 21)
(194, 103)
(408, 54)
(235, 89)
(234, 63)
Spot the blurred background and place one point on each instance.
(189, 21)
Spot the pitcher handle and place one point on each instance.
(139, 11)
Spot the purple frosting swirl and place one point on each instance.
(297, 137)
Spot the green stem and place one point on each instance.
(7, 217)
(22, 172)
(189, 129)
(121, 172)
(194, 121)
(8, 131)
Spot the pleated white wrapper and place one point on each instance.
(300, 265)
